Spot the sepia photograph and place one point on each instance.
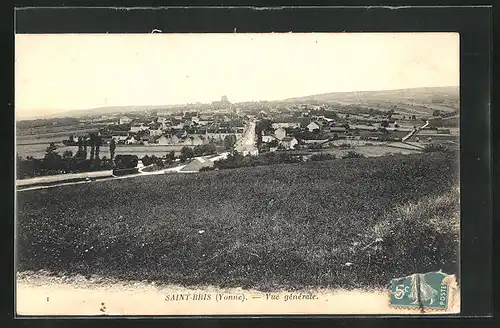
(237, 174)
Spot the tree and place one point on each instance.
(201, 150)
(274, 143)
(93, 145)
(82, 149)
(126, 161)
(436, 112)
(384, 124)
(112, 148)
(67, 153)
(98, 143)
(85, 144)
(52, 159)
(170, 156)
(186, 153)
(230, 140)
(69, 141)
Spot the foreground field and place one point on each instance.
(352, 223)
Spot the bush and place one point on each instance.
(186, 153)
(432, 147)
(148, 160)
(202, 150)
(353, 154)
(322, 157)
(32, 167)
(126, 161)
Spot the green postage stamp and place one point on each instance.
(429, 291)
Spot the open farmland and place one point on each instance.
(271, 227)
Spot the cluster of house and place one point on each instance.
(288, 134)
(190, 129)
(283, 134)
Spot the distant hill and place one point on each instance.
(422, 94)
(415, 100)
(117, 109)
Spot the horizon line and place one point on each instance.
(54, 115)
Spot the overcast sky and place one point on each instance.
(56, 73)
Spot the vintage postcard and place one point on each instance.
(237, 174)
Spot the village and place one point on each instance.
(198, 137)
(296, 126)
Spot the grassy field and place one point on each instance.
(289, 227)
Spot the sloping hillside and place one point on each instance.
(420, 99)
(272, 227)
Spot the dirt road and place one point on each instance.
(246, 144)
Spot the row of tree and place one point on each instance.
(237, 160)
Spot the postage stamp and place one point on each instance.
(427, 291)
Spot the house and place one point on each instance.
(130, 141)
(137, 128)
(178, 126)
(163, 140)
(119, 135)
(196, 164)
(155, 132)
(203, 123)
(163, 113)
(175, 139)
(206, 118)
(285, 125)
(125, 120)
(314, 141)
(195, 141)
(313, 126)
(268, 138)
(146, 139)
(280, 133)
(289, 142)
